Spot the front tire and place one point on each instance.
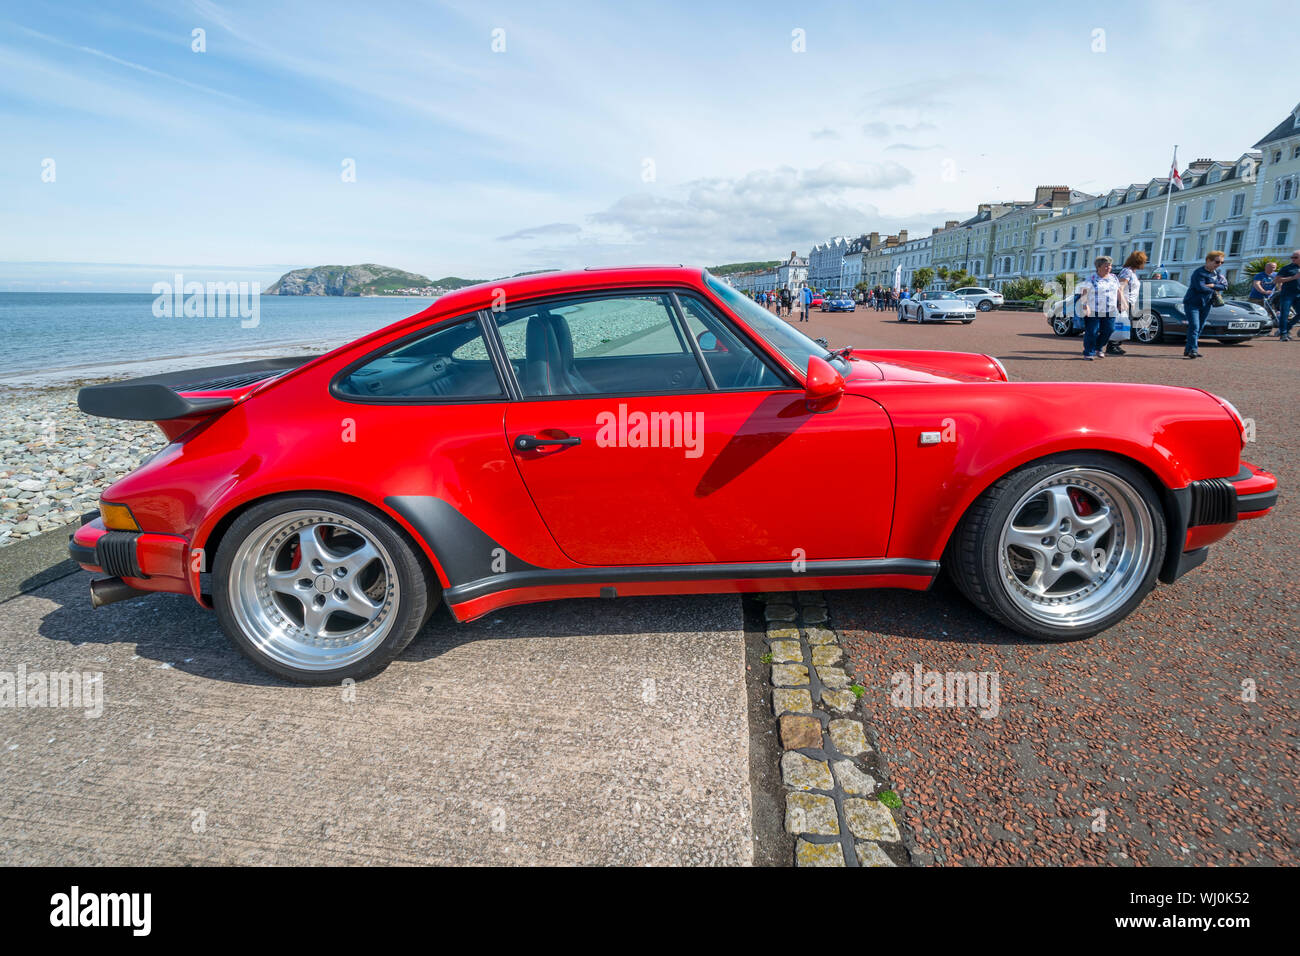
(1061, 549)
(318, 589)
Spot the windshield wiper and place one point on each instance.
(842, 353)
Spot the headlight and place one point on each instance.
(1001, 368)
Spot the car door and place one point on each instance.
(639, 447)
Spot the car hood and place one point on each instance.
(921, 365)
(946, 303)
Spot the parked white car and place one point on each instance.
(936, 307)
(983, 299)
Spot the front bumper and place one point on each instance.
(144, 560)
(1206, 511)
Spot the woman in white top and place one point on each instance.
(1132, 284)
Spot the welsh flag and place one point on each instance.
(1175, 180)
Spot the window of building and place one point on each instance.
(1283, 233)
(1128, 224)
(1207, 210)
(1234, 244)
(1088, 231)
(1146, 220)
(1180, 214)
(1238, 205)
(1110, 225)
(1263, 234)
(1202, 239)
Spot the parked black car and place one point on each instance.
(1237, 320)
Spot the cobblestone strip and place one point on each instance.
(832, 799)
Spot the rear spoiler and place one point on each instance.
(157, 398)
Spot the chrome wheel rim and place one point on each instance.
(313, 590)
(1147, 328)
(1076, 547)
(1061, 326)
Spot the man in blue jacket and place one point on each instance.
(1288, 295)
(1205, 283)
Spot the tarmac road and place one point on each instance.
(580, 732)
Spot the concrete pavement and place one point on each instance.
(579, 732)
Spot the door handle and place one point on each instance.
(529, 442)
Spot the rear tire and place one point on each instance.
(985, 305)
(1063, 548)
(319, 589)
(1152, 331)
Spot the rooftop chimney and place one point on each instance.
(902, 236)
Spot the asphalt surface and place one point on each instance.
(609, 732)
(1133, 747)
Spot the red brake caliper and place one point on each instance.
(1082, 505)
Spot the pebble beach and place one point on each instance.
(55, 460)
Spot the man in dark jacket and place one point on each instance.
(1288, 295)
(1205, 283)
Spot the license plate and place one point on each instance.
(1243, 325)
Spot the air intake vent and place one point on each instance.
(233, 381)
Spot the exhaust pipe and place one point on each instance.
(112, 590)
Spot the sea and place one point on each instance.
(62, 338)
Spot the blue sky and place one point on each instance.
(669, 132)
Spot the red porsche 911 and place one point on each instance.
(636, 431)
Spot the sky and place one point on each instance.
(481, 139)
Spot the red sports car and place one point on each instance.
(637, 431)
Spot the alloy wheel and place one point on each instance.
(1075, 547)
(313, 590)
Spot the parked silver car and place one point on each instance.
(936, 307)
(980, 297)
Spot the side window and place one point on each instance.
(600, 345)
(731, 361)
(449, 363)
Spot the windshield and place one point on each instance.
(939, 295)
(791, 343)
(1166, 289)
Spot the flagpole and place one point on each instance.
(1169, 194)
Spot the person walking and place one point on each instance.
(805, 300)
(1206, 283)
(1128, 277)
(1288, 295)
(1262, 288)
(1101, 298)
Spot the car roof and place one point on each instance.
(499, 292)
(486, 294)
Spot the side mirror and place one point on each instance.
(709, 342)
(823, 386)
